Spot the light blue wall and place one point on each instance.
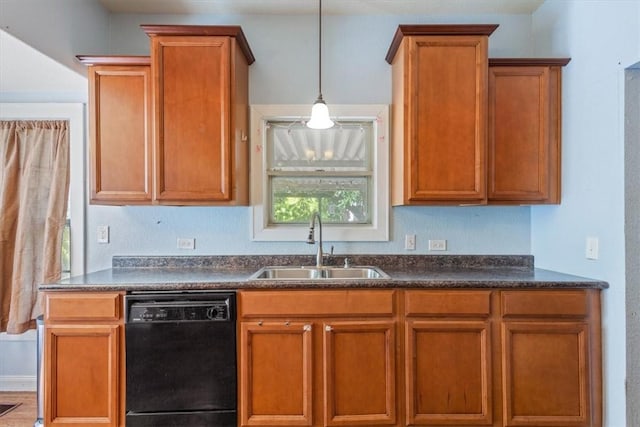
(601, 37)
(225, 231)
(60, 29)
(285, 72)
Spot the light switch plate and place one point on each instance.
(103, 234)
(591, 249)
(410, 242)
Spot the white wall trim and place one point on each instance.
(18, 383)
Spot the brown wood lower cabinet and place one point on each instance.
(83, 355)
(317, 358)
(551, 358)
(361, 357)
(448, 364)
(448, 373)
(359, 373)
(484, 357)
(277, 373)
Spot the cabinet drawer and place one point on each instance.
(435, 303)
(316, 303)
(545, 303)
(68, 306)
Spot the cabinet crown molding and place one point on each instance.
(203, 30)
(437, 30)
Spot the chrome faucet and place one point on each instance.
(311, 240)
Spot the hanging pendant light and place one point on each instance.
(319, 112)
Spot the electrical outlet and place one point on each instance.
(410, 242)
(437, 245)
(186, 243)
(103, 234)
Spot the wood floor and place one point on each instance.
(24, 415)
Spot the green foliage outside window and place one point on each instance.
(339, 206)
(66, 250)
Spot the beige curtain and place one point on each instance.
(34, 187)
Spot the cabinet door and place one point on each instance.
(120, 129)
(192, 77)
(448, 373)
(524, 134)
(447, 115)
(359, 373)
(82, 375)
(276, 374)
(546, 373)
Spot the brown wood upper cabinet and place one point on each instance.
(524, 130)
(191, 97)
(200, 78)
(120, 128)
(439, 113)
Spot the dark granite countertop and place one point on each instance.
(405, 271)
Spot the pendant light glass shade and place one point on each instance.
(319, 112)
(320, 115)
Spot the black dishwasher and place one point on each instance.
(180, 359)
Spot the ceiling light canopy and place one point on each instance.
(320, 112)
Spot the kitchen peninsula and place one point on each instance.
(473, 340)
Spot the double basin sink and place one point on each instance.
(319, 273)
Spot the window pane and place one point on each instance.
(66, 250)
(294, 147)
(340, 200)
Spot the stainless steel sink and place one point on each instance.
(314, 273)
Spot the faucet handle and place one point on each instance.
(347, 263)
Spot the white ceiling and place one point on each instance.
(334, 7)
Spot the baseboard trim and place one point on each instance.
(18, 383)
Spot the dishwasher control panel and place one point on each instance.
(178, 310)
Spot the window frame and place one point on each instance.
(378, 230)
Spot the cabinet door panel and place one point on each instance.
(546, 374)
(519, 129)
(359, 373)
(193, 143)
(448, 373)
(276, 374)
(120, 109)
(446, 159)
(82, 375)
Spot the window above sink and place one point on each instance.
(341, 172)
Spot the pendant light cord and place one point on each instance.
(320, 49)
